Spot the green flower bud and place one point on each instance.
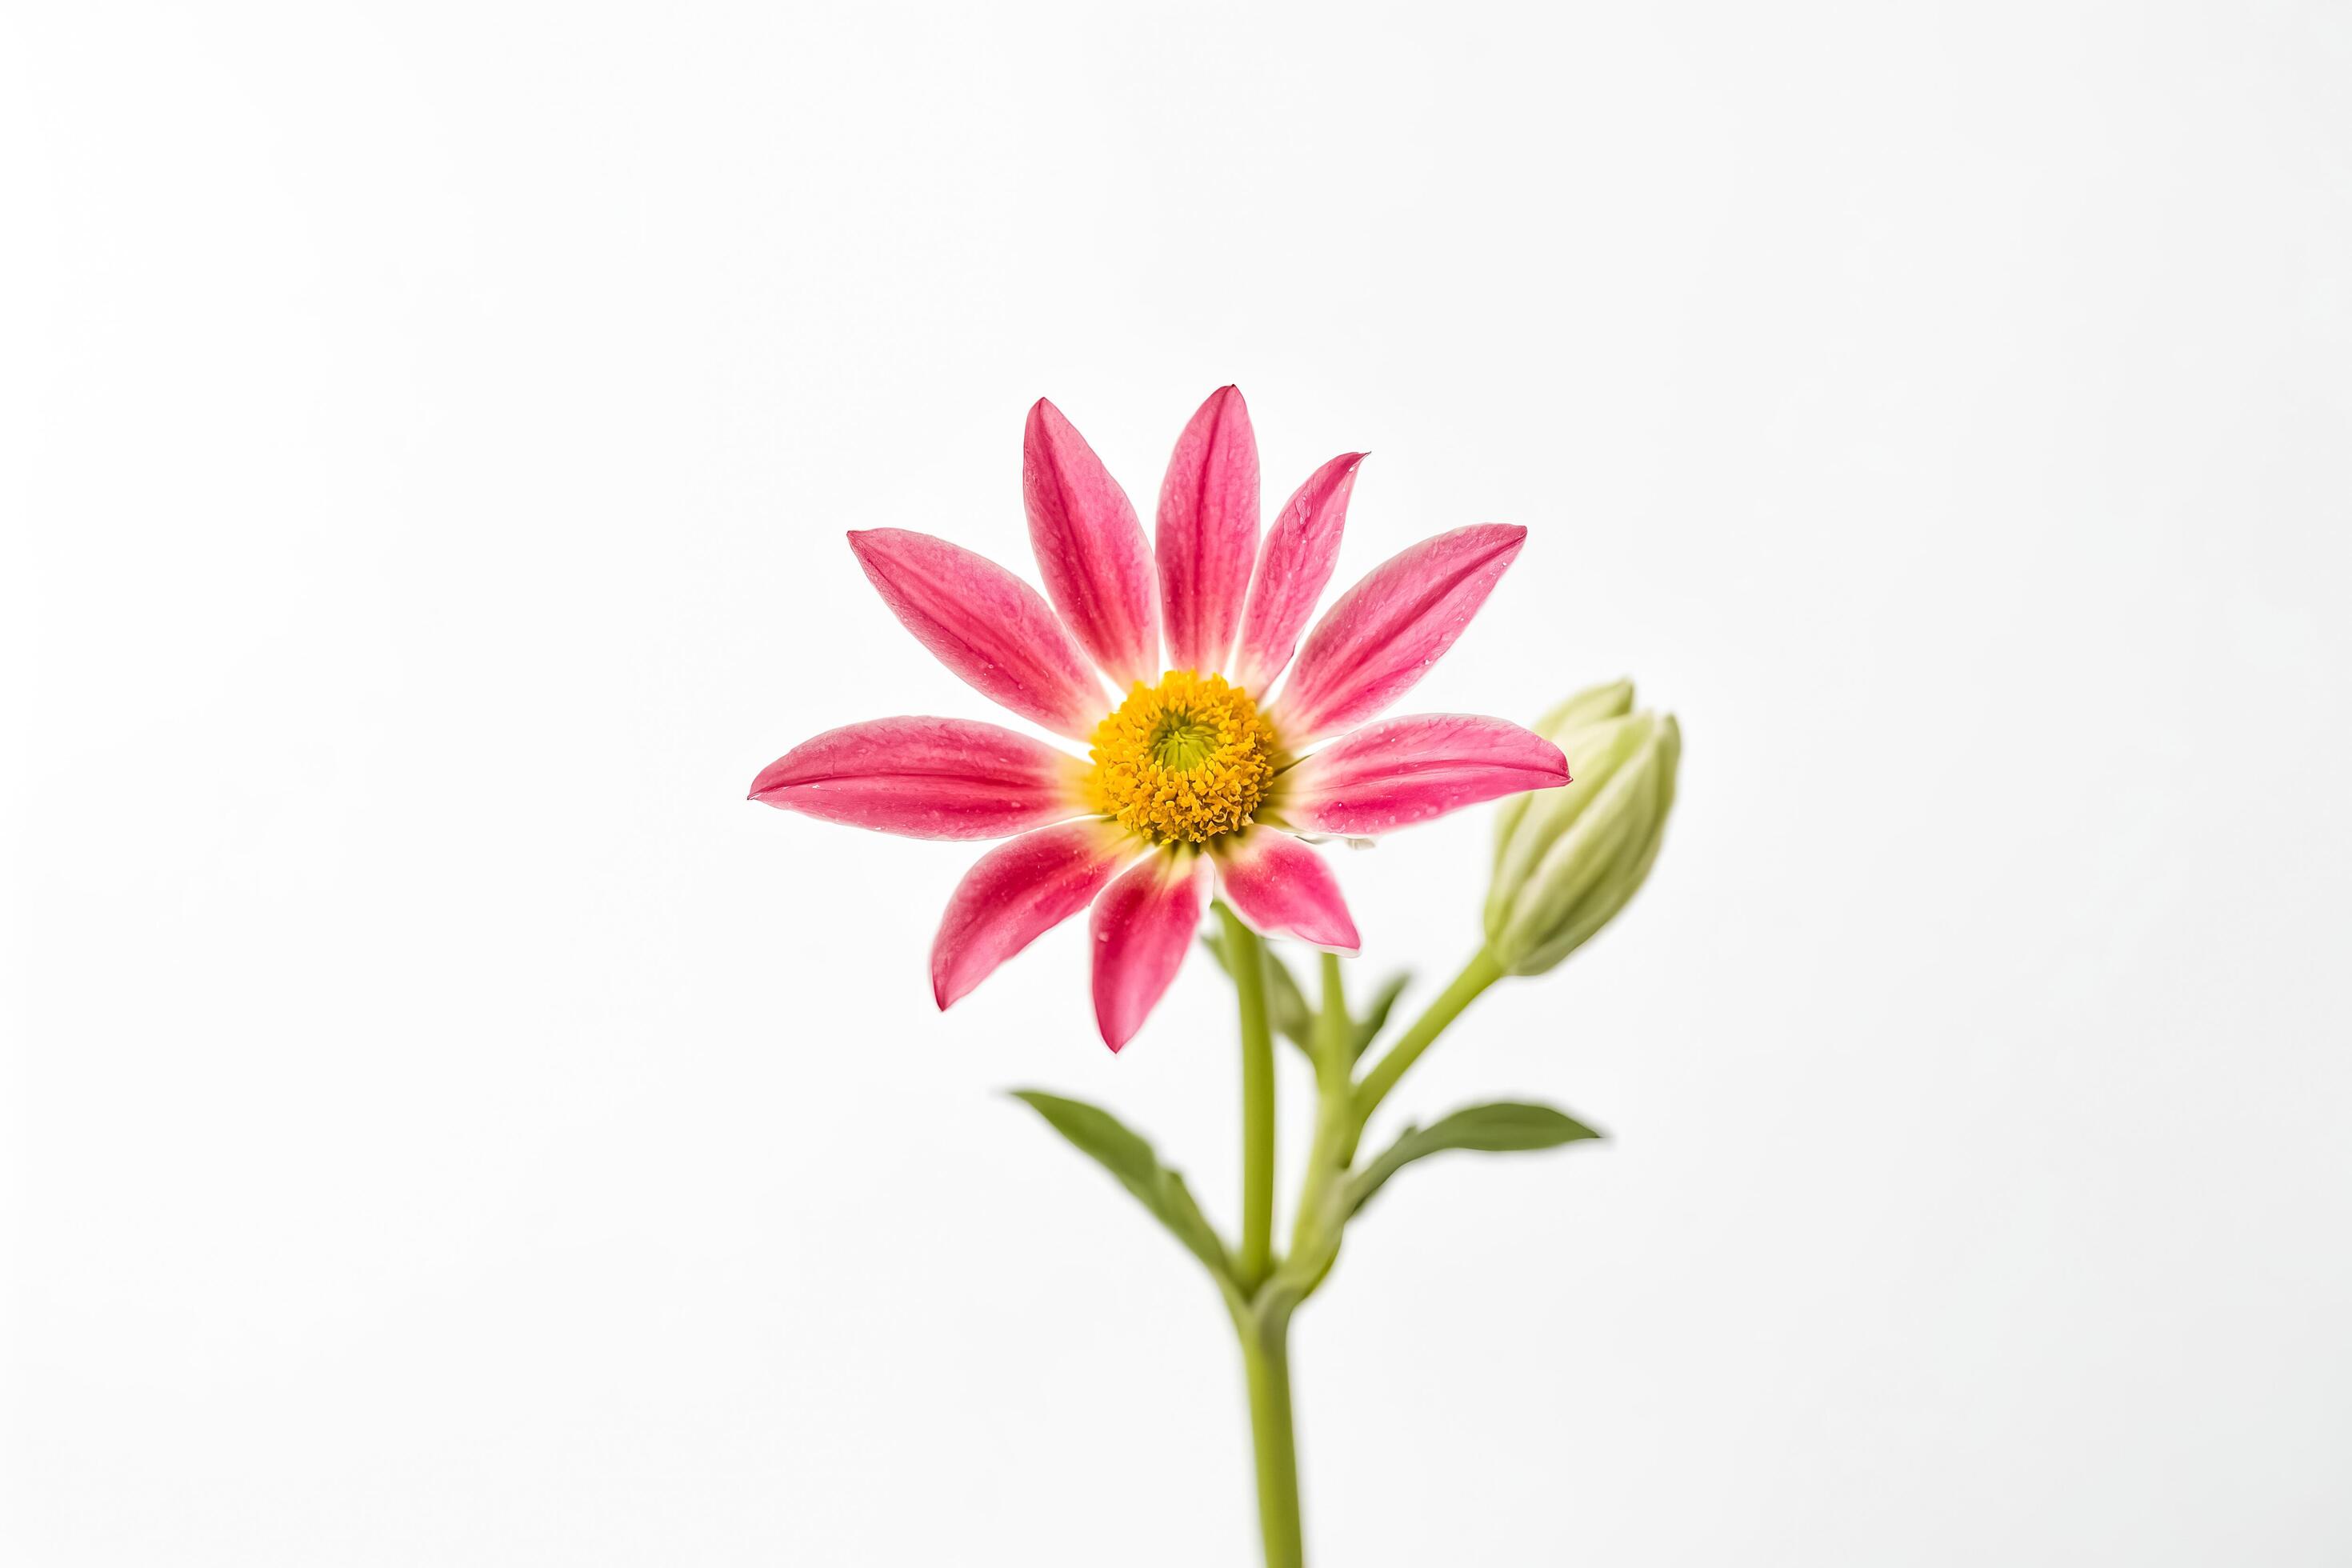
(1566, 860)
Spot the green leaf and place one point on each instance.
(1286, 1003)
(1129, 1156)
(1503, 1128)
(1376, 1012)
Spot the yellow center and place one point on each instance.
(1183, 761)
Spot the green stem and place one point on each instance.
(1266, 1358)
(1333, 1024)
(1481, 971)
(1247, 954)
(1313, 1239)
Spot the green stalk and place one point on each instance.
(1264, 1324)
(1247, 954)
(1315, 1235)
(1333, 1024)
(1265, 1357)
(1481, 971)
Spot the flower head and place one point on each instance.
(1203, 775)
(1183, 762)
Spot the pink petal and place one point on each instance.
(1018, 893)
(1402, 770)
(1281, 887)
(927, 778)
(1293, 565)
(1142, 925)
(1208, 531)
(1090, 548)
(986, 625)
(1387, 630)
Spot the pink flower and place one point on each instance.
(1193, 778)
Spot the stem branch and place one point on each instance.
(1247, 955)
(1481, 971)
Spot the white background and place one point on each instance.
(445, 1124)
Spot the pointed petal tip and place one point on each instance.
(769, 780)
(1116, 1037)
(1351, 948)
(1341, 938)
(1505, 538)
(1046, 422)
(947, 987)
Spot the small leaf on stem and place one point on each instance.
(1376, 1012)
(1129, 1156)
(1503, 1128)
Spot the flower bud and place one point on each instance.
(1566, 860)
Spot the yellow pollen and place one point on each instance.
(1183, 761)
